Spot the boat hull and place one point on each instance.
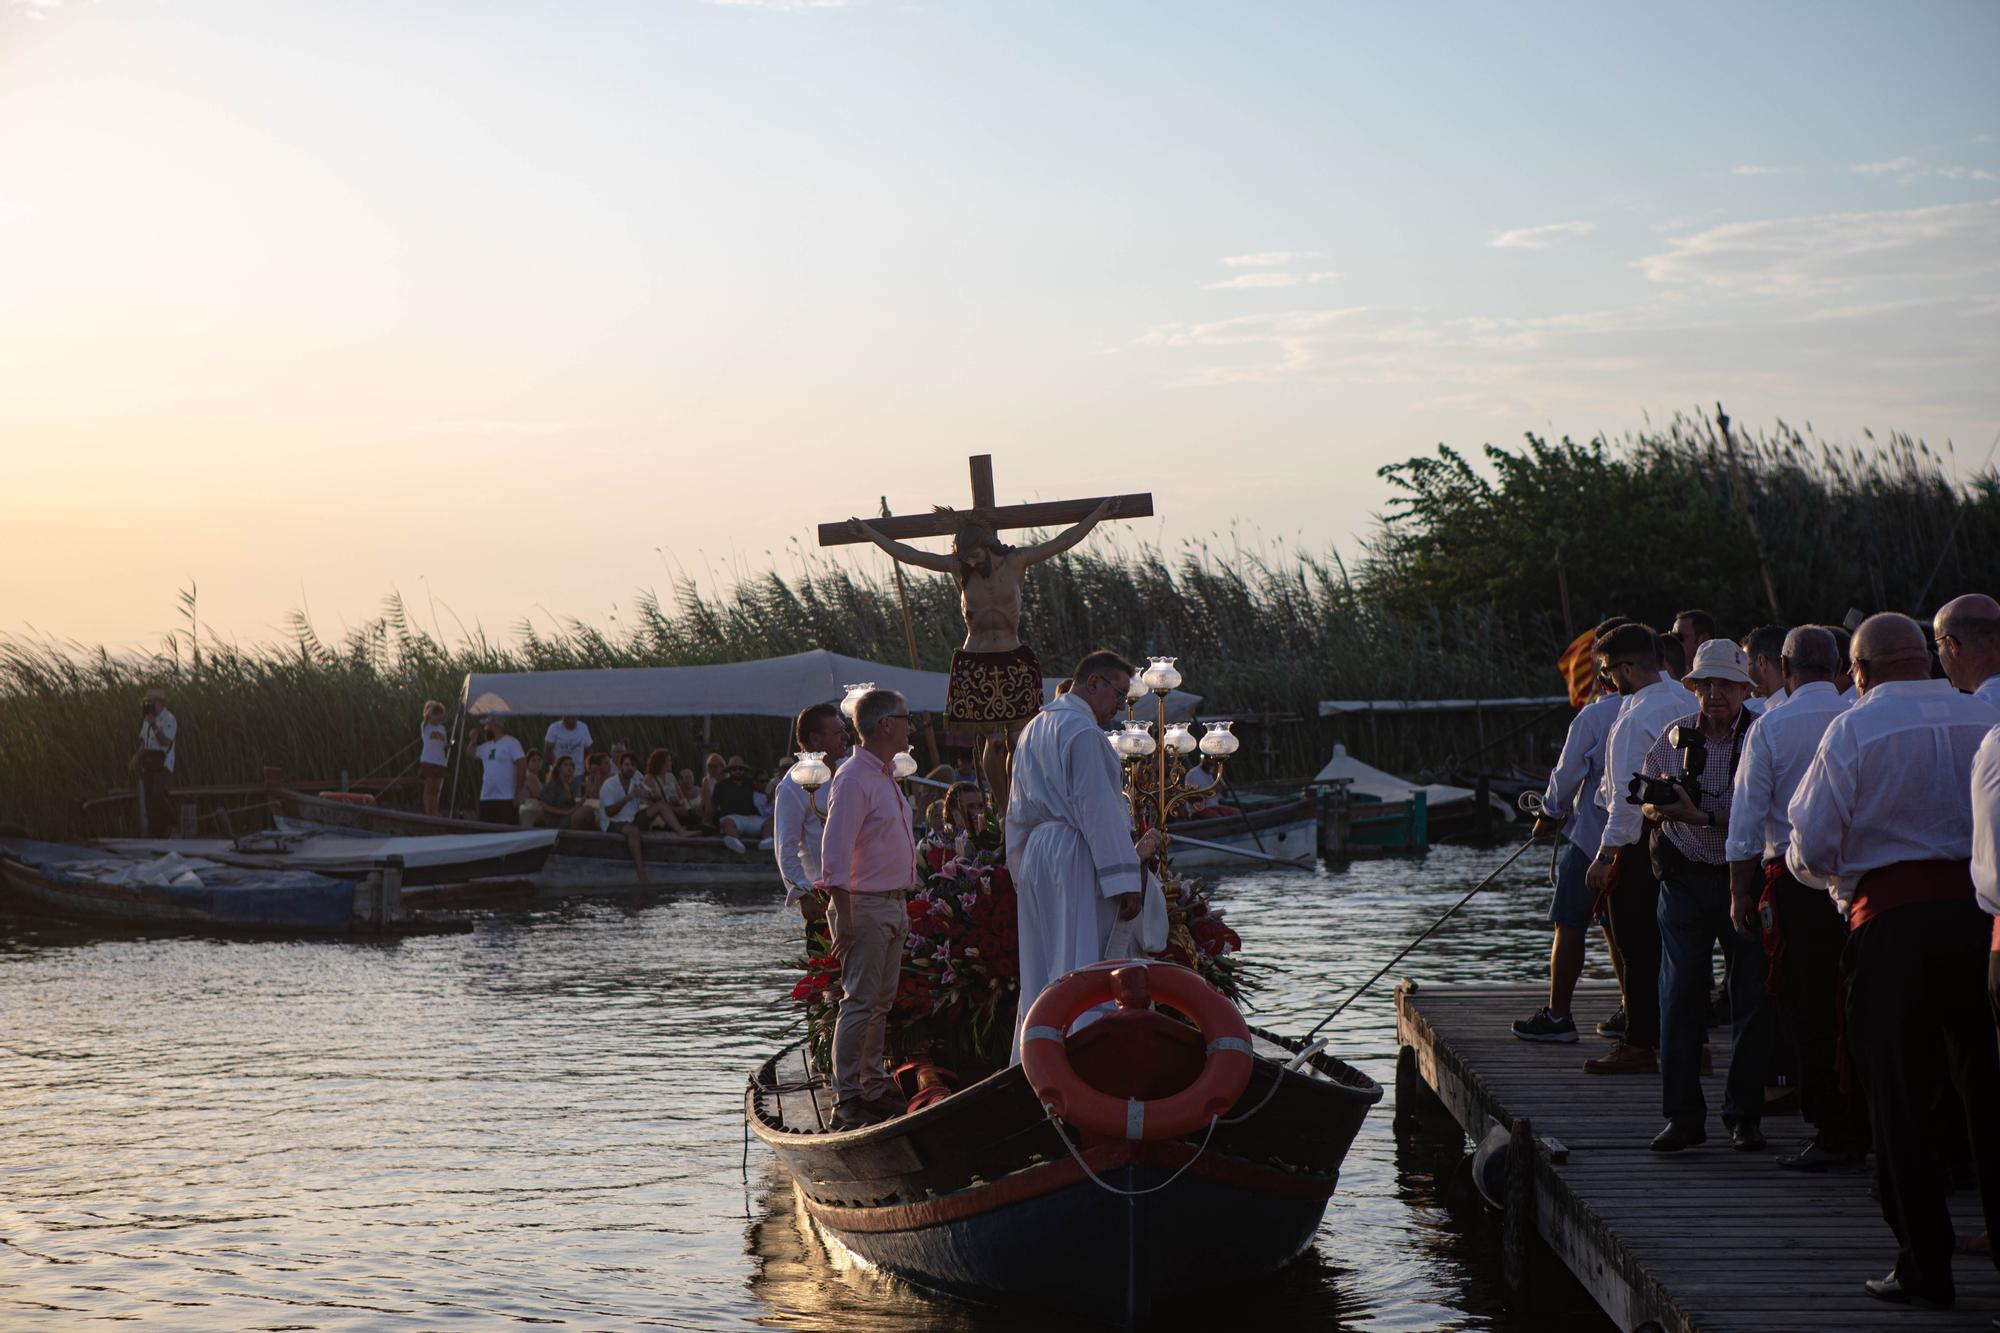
(1287, 830)
(519, 855)
(582, 862)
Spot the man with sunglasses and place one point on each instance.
(1700, 754)
(1883, 816)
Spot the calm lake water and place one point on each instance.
(541, 1123)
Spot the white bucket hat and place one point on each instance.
(1719, 659)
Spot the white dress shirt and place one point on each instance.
(1891, 782)
(1640, 721)
(157, 733)
(1989, 690)
(1775, 755)
(798, 830)
(1572, 792)
(1986, 821)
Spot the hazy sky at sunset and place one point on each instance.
(527, 305)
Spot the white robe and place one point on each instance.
(1069, 845)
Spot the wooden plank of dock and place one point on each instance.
(1707, 1239)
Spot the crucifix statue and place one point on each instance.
(996, 680)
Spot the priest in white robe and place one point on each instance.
(1069, 831)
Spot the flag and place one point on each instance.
(1578, 665)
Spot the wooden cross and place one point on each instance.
(944, 523)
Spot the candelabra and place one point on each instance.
(1155, 755)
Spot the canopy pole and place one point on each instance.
(458, 734)
(910, 634)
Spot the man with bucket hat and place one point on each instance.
(1685, 784)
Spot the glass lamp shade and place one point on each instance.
(1114, 737)
(854, 693)
(1219, 741)
(1180, 738)
(1135, 742)
(1137, 689)
(905, 764)
(1162, 675)
(811, 770)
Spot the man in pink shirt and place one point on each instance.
(868, 861)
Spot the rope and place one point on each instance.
(1098, 1181)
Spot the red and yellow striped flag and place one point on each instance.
(1579, 669)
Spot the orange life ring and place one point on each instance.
(1226, 1063)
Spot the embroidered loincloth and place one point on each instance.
(989, 689)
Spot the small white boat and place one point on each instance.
(446, 859)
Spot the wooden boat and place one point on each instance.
(87, 884)
(581, 862)
(980, 1196)
(1286, 828)
(446, 859)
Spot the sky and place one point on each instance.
(516, 308)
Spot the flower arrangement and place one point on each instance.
(961, 975)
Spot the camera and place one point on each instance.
(1644, 790)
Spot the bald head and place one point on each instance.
(1810, 654)
(1968, 639)
(1888, 647)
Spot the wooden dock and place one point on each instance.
(1706, 1239)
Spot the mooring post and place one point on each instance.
(368, 899)
(392, 889)
(1409, 1088)
(1517, 1242)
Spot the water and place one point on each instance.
(540, 1122)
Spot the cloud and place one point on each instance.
(1541, 238)
(1908, 169)
(1249, 280)
(1268, 258)
(1752, 170)
(1800, 255)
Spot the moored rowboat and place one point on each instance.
(447, 859)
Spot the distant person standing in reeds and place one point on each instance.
(155, 760)
(431, 762)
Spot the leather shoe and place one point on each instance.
(1815, 1156)
(1623, 1059)
(1744, 1136)
(1892, 1290)
(1678, 1136)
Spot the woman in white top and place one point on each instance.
(431, 762)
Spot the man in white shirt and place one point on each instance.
(157, 732)
(503, 764)
(1967, 633)
(1629, 657)
(1765, 649)
(1986, 850)
(568, 736)
(619, 802)
(1569, 804)
(1800, 928)
(1884, 814)
(799, 825)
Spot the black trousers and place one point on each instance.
(1808, 998)
(1635, 928)
(1917, 1014)
(159, 807)
(498, 812)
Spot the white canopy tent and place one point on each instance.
(769, 687)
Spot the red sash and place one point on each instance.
(1774, 924)
(1909, 882)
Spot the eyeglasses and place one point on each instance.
(904, 716)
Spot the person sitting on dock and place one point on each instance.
(734, 802)
(431, 757)
(798, 827)
(712, 770)
(1883, 818)
(503, 763)
(529, 809)
(567, 736)
(1629, 657)
(619, 801)
(597, 771)
(1700, 754)
(868, 865)
(559, 800)
(1803, 934)
(657, 795)
(1570, 804)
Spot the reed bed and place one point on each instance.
(1459, 593)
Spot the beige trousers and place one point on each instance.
(868, 934)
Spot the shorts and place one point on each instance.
(429, 771)
(1572, 903)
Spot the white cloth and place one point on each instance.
(1986, 821)
(497, 760)
(798, 830)
(1775, 754)
(571, 741)
(1989, 690)
(1573, 790)
(1640, 721)
(611, 793)
(157, 733)
(1852, 694)
(433, 736)
(1890, 782)
(1069, 846)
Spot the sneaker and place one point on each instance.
(1545, 1026)
(734, 843)
(1613, 1026)
(1623, 1059)
(764, 844)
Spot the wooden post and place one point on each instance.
(392, 890)
(1517, 1245)
(1409, 1087)
(368, 899)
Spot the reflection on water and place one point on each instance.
(540, 1122)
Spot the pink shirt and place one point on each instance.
(867, 846)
